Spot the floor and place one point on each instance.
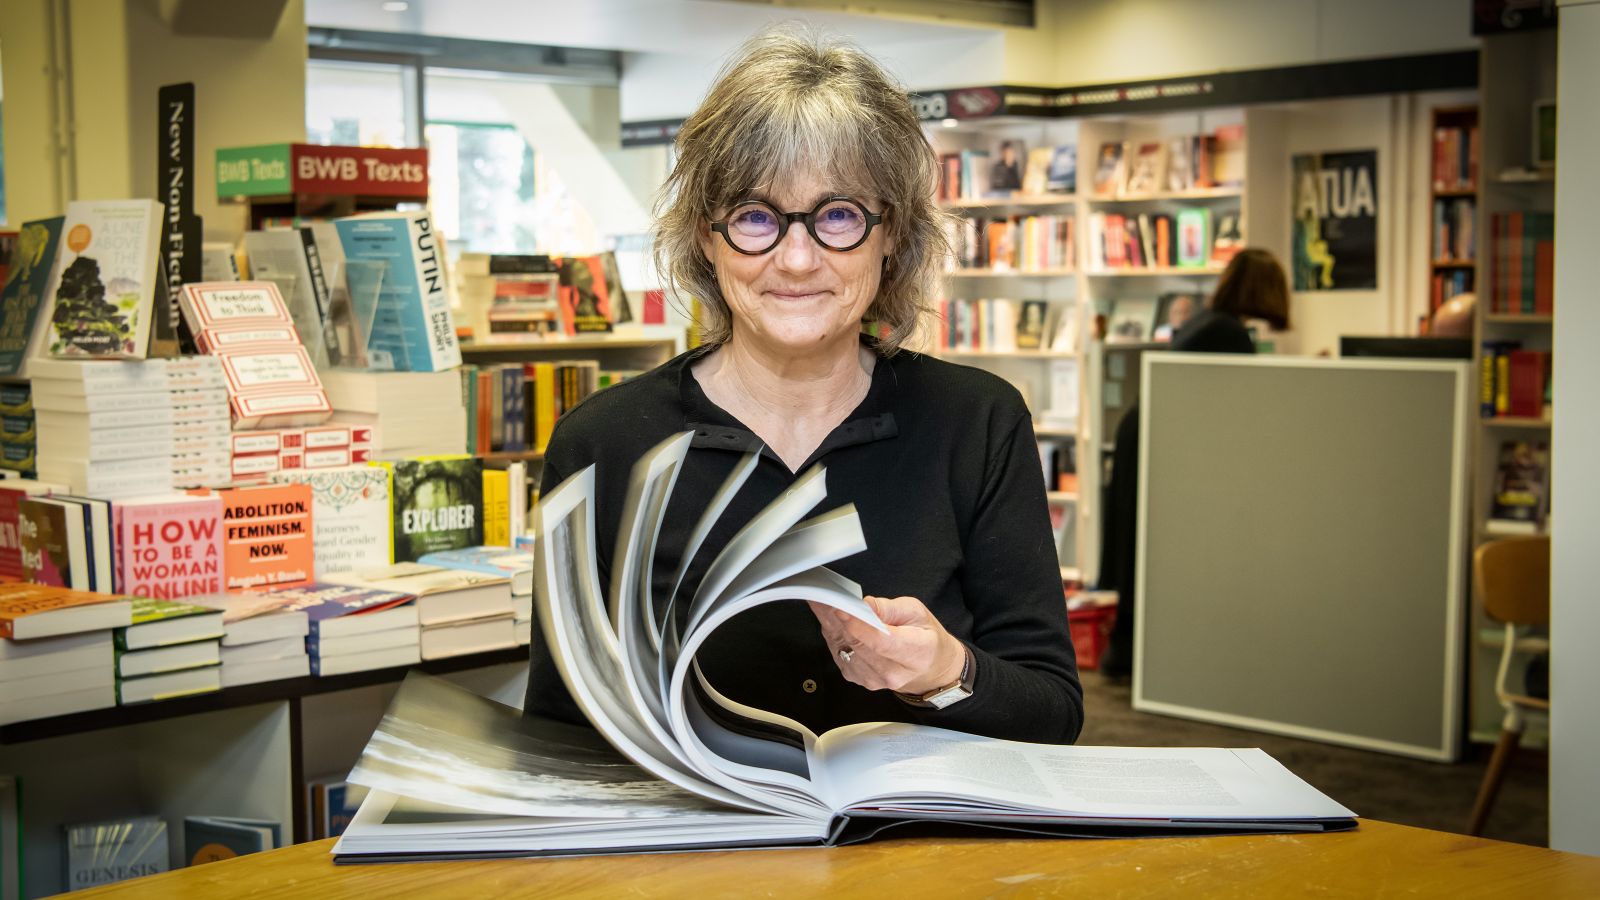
(1374, 785)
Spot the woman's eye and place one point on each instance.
(754, 217)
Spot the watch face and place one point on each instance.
(951, 695)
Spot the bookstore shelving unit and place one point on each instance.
(1452, 204)
(1090, 290)
(244, 751)
(1073, 513)
(1517, 72)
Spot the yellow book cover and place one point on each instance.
(544, 404)
(496, 508)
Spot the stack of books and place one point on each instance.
(171, 649)
(262, 639)
(56, 650)
(65, 541)
(18, 434)
(408, 413)
(113, 429)
(353, 629)
(460, 611)
(515, 564)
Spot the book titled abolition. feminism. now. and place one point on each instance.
(672, 765)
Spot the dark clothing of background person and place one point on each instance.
(942, 465)
(1208, 331)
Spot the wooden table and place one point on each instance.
(1379, 858)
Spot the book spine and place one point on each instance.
(430, 331)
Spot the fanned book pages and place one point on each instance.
(673, 765)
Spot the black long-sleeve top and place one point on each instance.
(941, 463)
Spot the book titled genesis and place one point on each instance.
(107, 852)
(438, 505)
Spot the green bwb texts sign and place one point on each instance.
(254, 171)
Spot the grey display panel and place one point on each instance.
(1300, 558)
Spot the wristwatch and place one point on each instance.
(950, 694)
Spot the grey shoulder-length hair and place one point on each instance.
(790, 102)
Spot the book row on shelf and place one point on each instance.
(1522, 264)
(1016, 243)
(1006, 326)
(1445, 284)
(1455, 236)
(1193, 238)
(513, 407)
(1123, 169)
(108, 851)
(1174, 165)
(1513, 382)
(1455, 158)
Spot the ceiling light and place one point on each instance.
(396, 6)
(949, 123)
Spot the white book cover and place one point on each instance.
(351, 517)
(26, 709)
(279, 256)
(156, 660)
(102, 291)
(278, 648)
(57, 683)
(471, 636)
(169, 685)
(256, 671)
(364, 662)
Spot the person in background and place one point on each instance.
(801, 204)
(1253, 286)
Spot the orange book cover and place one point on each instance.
(267, 536)
(19, 599)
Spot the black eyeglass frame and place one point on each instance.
(785, 219)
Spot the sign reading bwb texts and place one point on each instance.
(278, 169)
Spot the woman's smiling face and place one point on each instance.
(798, 296)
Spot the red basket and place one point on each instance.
(1091, 629)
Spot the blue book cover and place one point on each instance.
(27, 281)
(505, 562)
(326, 604)
(412, 329)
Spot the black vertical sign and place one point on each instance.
(180, 229)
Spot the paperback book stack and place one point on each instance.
(354, 629)
(513, 563)
(460, 610)
(114, 429)
(262, 639)
(56, 650)
(246, 327)
(18, 434)
(406, 413)
(171, 649)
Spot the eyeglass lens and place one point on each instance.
(755, 227)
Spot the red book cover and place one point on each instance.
(170, 547)
(1514, 258)
(10, 537)
(267, 536)
(1544, 277)
(1526, 384)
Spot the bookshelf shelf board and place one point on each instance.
(244, 695)
(562, 345)
(1454, 263)
(1218, 193)
(1518, 319)
(1514, 422)
(1163, 272)
(1010, 273)
(1524, 177)
(512, 455)
(1006, 354)
(1456, 192)
(1060, 497)
(1019, 200)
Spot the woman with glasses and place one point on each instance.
(800, 207)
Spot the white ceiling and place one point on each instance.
(645, 26)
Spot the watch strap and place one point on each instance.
(963, 684)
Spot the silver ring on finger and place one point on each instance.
(846, 654)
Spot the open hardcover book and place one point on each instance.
(673, 765)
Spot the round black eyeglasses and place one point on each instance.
(754, 227)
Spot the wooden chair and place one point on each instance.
(1513, 578)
